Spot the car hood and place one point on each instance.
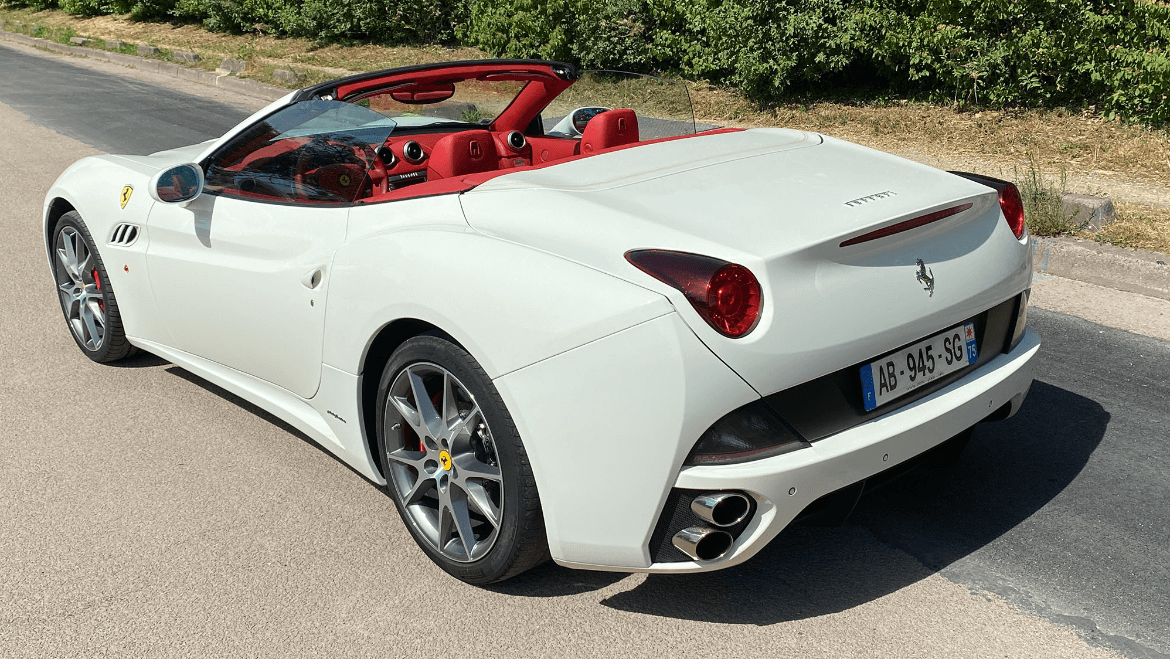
(780, 202)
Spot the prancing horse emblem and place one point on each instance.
(927, 280)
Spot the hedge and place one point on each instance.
(1111, 54)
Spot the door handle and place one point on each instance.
(313, 279)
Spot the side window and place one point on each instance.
(313, 152)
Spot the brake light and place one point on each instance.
(1013, 208)
(726, 295)
(1010, 201)
(907, 225)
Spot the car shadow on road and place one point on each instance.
(898, 535)
(180, 372)
(141, 360)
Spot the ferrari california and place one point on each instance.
(556, 318)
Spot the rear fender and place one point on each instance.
(510, 306)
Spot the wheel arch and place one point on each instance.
(56, 208)
(381, 347)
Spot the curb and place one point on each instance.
(1133, 270)
(209, 78)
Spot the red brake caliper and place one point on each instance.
(97, 280)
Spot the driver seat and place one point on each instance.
(460, 154)
(609, 129)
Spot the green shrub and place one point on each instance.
(1111, 54)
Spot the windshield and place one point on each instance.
(309, 118)
(663, 106)
(469, 102)
(312, 152)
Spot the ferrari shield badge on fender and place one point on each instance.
(126, 192)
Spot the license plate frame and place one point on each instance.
(885, 379)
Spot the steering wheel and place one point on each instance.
(379, 177)
(364, 156)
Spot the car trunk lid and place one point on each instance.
(783, 209)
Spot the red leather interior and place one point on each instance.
(543, 85)
(343, 180)
(271, 151)
(467, 182)
(459, 154)
(546, 149)
(609, 129)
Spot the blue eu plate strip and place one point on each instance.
(867, 388)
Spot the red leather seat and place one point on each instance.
(609, 129)
(459, 154)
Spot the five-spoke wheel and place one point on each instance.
(454, 463)
(80, 288)
(443, 466)
(87, 299)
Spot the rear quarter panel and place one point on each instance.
(507, 304)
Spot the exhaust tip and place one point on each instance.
(702, 543)
(722, 508)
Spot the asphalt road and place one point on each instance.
(110, 113)
(148, 513)
(1063, 509)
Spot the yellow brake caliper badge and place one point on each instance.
(445, 460)
(126, 192)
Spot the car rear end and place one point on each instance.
(876, 307)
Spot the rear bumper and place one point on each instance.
(785, 485)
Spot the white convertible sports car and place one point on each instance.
(554, 328)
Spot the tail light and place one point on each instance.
(1010, 201)
(726, 295)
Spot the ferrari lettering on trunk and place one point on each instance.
(872, 197)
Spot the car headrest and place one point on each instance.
(459, 154)
(609, 129)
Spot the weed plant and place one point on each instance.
(1044, 199)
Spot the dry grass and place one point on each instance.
(1139, 227)
(1057, 142)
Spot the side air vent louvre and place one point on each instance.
(124, 235)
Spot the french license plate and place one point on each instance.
(905, 370)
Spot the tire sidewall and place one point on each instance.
(513, 460)
(105, 351)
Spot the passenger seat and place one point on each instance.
(609, 129)
(460, 154)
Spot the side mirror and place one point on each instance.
(573, 124)
(582, 117)
(177, 185)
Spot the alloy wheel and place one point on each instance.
(443, 464)
(79, 286)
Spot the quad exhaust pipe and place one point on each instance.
(720, 509)
(702, 543)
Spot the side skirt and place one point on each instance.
(330, 418)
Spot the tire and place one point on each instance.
(85, 293)
(462, 483)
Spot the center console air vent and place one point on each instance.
(124, 235)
